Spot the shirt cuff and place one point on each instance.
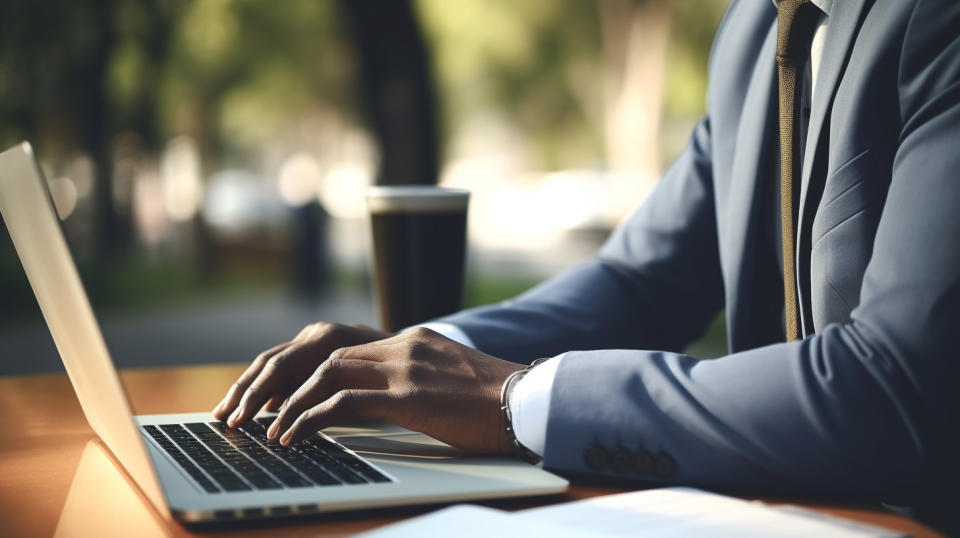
(446, 329)
(529, 404)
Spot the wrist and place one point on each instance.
(508, 432)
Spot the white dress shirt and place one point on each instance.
(529, 401)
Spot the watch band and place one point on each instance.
(518, 448)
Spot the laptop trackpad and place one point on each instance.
(382, 438)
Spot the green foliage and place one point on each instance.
(233, 71)
(713, 343)
(255, 67)
(140, 282)
(527, 60)
(236, 74)
(540, 63)
(490, 288)
(695, 23)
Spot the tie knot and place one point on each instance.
(794, 22)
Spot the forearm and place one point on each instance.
(590, 306)
(827, 416)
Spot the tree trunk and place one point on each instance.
(95, 130)
(635, 41)
(397, 88)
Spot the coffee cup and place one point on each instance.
(419, 251)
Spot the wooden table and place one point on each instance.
(57, 478)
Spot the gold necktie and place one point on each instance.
(792, 50)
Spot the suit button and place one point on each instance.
(595, 456)
(663, 465)
(622, 460)
(643, 462)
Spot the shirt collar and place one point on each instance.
(822, 5)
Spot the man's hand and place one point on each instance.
(419, 380)
(278, 371)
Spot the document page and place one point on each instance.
(672, 512)
(470, 521)
(661, 513)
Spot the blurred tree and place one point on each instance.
(532, 63)
(94, 121)
(53, 64)
(242, 75)
(252, 82)
(397, 88)
(75, 74)
(145, 31)
(635, 34)
(585, 81)
(655, 54)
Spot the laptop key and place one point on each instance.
(282, 470)
(240, 462)
(227, 479)
(265, 421)
(319, 474)
(301, 466)
(181, 459)
(331, 465)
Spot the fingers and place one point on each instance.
(268, 379)
(308, 332)
(275, 403)
(343, 405)
(336, 374)
(267, 384)
(230, 401)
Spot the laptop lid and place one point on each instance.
(32, 222)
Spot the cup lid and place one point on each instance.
(415, 198)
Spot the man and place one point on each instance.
(833, 135)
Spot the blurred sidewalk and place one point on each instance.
(229, 331)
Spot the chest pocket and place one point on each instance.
(842, 237)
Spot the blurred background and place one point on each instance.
(208, 158)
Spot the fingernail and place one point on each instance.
(285, 440)
(272, 432)
(233, 418)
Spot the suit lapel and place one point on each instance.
(756, 146)
(842, 27)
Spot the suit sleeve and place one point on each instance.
(864, 409)
(656, 283)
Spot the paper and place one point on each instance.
(470, 521)
(661, 513)
(673, 512)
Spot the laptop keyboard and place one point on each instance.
(220, 458)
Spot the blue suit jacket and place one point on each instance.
(864, 405)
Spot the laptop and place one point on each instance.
(196, 469)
